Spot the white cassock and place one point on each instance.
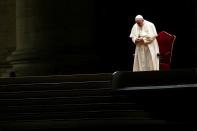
(146, 53)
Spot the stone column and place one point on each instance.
(195, 8)
(54, 37)
(7, 33)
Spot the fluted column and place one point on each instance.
(54, 37)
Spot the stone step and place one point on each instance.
(76, 97)
(55, 93)
(57, 78)
(174, 102)
(83, 123)
(63, 100)
(67, 107)
(122, 79)
(136, 114)
(55, 86)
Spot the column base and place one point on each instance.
(34, 63)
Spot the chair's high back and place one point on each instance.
(165, 41)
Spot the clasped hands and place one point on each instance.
(139, 40)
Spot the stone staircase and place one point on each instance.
(71, 101)
(167, 95)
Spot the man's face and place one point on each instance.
(140, 22)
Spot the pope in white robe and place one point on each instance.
(144, 35)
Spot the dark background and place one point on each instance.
(114, 20)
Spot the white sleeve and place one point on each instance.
(133, 33)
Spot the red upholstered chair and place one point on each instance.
(166, 42)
